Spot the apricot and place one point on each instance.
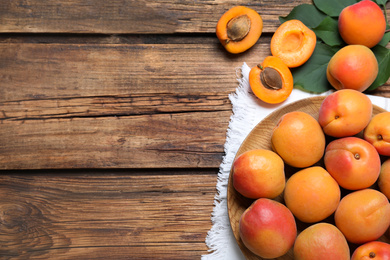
(259, 173)
(377, 133)
(321, 241)
(293, 42)
(271, 81)
(345, 113)
(312, 194)
(362, 23)
(239, 29)
(384, 179)
(298, 139)
(353, 162)
(352, 67)
(363, 215)
(372, 250)
(268, 228)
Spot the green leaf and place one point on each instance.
(306, 13)
(385, 40)
(381, 2)
(333, 7)
(382, 54)
(328, 32)
(311, 76)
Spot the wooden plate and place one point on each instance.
(260, 137)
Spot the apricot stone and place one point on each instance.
(363, 215)
(362, 23)
(268, 228)
(259, 173)
(298, 139)
(321, 241)
(352, 67)
(345, 113)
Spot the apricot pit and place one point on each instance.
(271, 81)
(239, 29)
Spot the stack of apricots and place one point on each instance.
(361, 26)
(351, 185)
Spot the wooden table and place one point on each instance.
(113, 117)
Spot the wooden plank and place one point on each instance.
(129, 16)
(103, 215)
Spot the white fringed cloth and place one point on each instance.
(247, 112)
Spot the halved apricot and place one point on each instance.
(239, 29)
(271, 81)
(293, 42)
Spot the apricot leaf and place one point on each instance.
(333, 7)
(385, 40)
(328, 32)
(381, 2)
(308, 14)
(382, 54)
(311, 76)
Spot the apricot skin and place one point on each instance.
(352, 67)
(268, 228)
(312, 194)
(384, 179)
(363, 215)
(362, 23)
(377, 133)
(298, 139)
(321, 241)
(345, 113)
(259, 173)
(372, 250)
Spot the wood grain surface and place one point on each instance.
(113, 118)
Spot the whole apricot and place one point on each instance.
(353, 162)
(362, 23)
(321, 241)
(312, 194)
(352, 67)
(377, 133)
(384, 179)
(239, 29)
(259, 173)
(268, 228)
(363, 215)
(345, 113)
(298, 139)
(293, 42)
(372, 250)
(271, 81)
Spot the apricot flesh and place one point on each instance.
(298, 139)
(271, 81)
(321, 241)
(293, 42)
(239, 29)
(312, 194)
(362, 23)
(259, 173)
(268, 228)
(363, 215)
(352, 67)
(377, 133)
(345, 113)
